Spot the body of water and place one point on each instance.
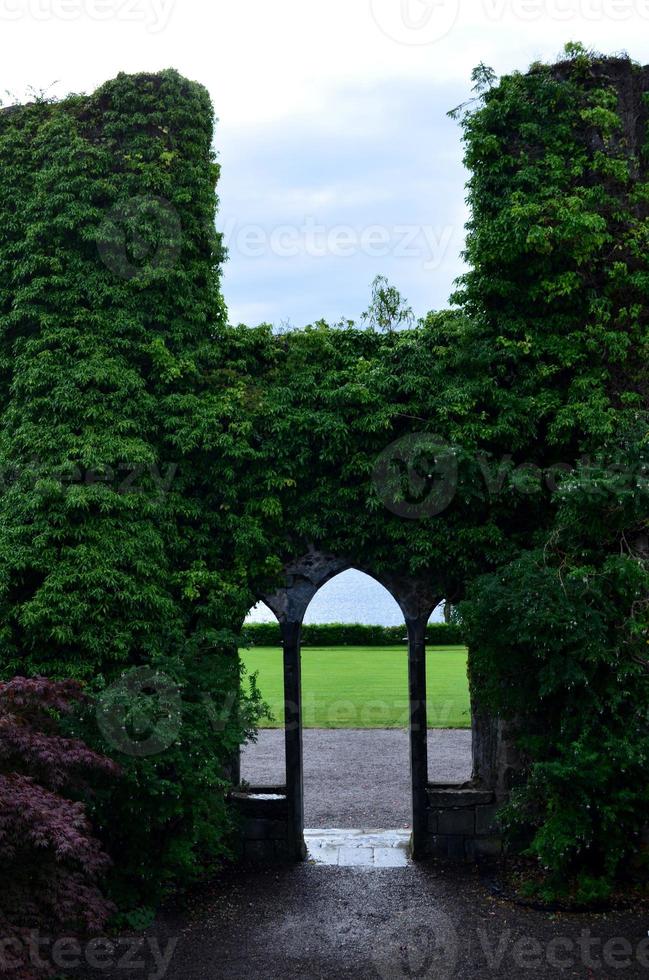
(351, 597)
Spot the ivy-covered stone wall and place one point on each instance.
(161, 468)
(116, 546)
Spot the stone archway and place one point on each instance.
(448, 821)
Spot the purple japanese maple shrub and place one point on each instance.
(50, 862)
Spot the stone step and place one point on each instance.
(356, 848)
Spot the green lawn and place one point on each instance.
(364, 687)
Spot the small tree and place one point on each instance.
(388, 310)
(49, 860)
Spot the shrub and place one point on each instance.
(175, 730)
(558, 645)
(51, 863)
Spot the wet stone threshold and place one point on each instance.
(347, 848)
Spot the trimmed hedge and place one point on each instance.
(350, 634)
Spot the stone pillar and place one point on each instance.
(485, 737)
(293, 736)
(497, 763)
(418, 733)
(233, 769)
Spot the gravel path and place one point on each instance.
(309, 922)
(360, 777)
(424, 921)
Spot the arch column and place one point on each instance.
(290, 631)
(290, 603)
(417, 601)
(418, 732)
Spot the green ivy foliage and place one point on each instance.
(559, 645)
(324, 403)
(115, 545)
(159, 466)
(557, 298)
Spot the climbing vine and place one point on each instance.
(116, 548)
(557, 298)
(159, 466)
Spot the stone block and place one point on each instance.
(353, 857)
(487, 848)
(456, 848)
(438, 846)
(447, 847)
(486, 820)
(433, 822)
(259, 852)
(259, 828)
(458, 796)
(390, 857)
(457, 822)
(282, 852)
(278, 829)
(263, 803)
(255, 828)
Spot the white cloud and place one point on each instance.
(265, 61)
(329, 112)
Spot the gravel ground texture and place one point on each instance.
(309, 922)
(360, 777)
(316, 922)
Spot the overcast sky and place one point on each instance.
(339, 161)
